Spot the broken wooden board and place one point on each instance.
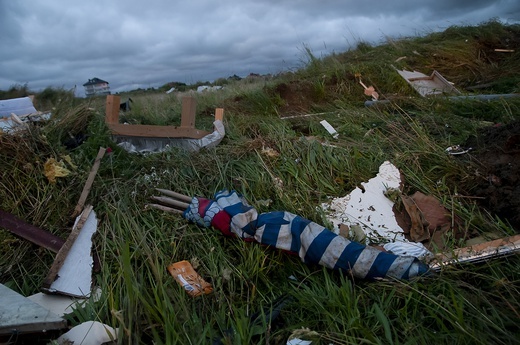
(478, 252)
(74, 262)
(30, 232)
(19, 315)
(432, 85)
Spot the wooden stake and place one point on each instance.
(170, 201)
(64, 250)
(175, 195)
(88, 184)
(165, 208)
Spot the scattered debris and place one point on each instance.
(71, 272)
(370, 91)
(432, 85)
(438, 221)
(368, 207)
(19, 315)
(419, 228)
(298, 341)
(90, 180)
(369, 210)
(189, 279)
(203, 88)
(61, 305)
(296, 335)
(269, 152)
(18, 106)
(329, 129)
(170, 90)
(457, 150)
(149, 138)
(505, 50)
(479, 252)
(53, 169)
(31, 233)
(126, 106)
(89, 333)
(16, 113)
(457, 98)
(483, 97)
(304, 115)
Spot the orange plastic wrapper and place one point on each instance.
(190, 280)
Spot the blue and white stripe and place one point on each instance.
(313, 243)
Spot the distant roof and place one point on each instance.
(95, 81)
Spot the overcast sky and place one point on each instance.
(138, 43)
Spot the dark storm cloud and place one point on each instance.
(147, 43)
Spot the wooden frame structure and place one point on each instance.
(185, 130)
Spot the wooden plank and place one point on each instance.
(219, 114)
(478, 252)
(30, 232)
(112, 109)
(188, 112)
(59, 260)
(150, 131)
(20, 315)
(90, 180)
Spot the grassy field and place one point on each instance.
(466, 304)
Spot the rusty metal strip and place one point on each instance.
(42, 238)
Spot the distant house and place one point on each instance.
(96, 87)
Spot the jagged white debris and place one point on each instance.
(88, 333)
(371, 210)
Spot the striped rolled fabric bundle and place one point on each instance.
(313, 243)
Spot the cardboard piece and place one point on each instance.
(432, 85)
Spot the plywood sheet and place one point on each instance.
(21, 315)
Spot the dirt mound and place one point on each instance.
(497, 150)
